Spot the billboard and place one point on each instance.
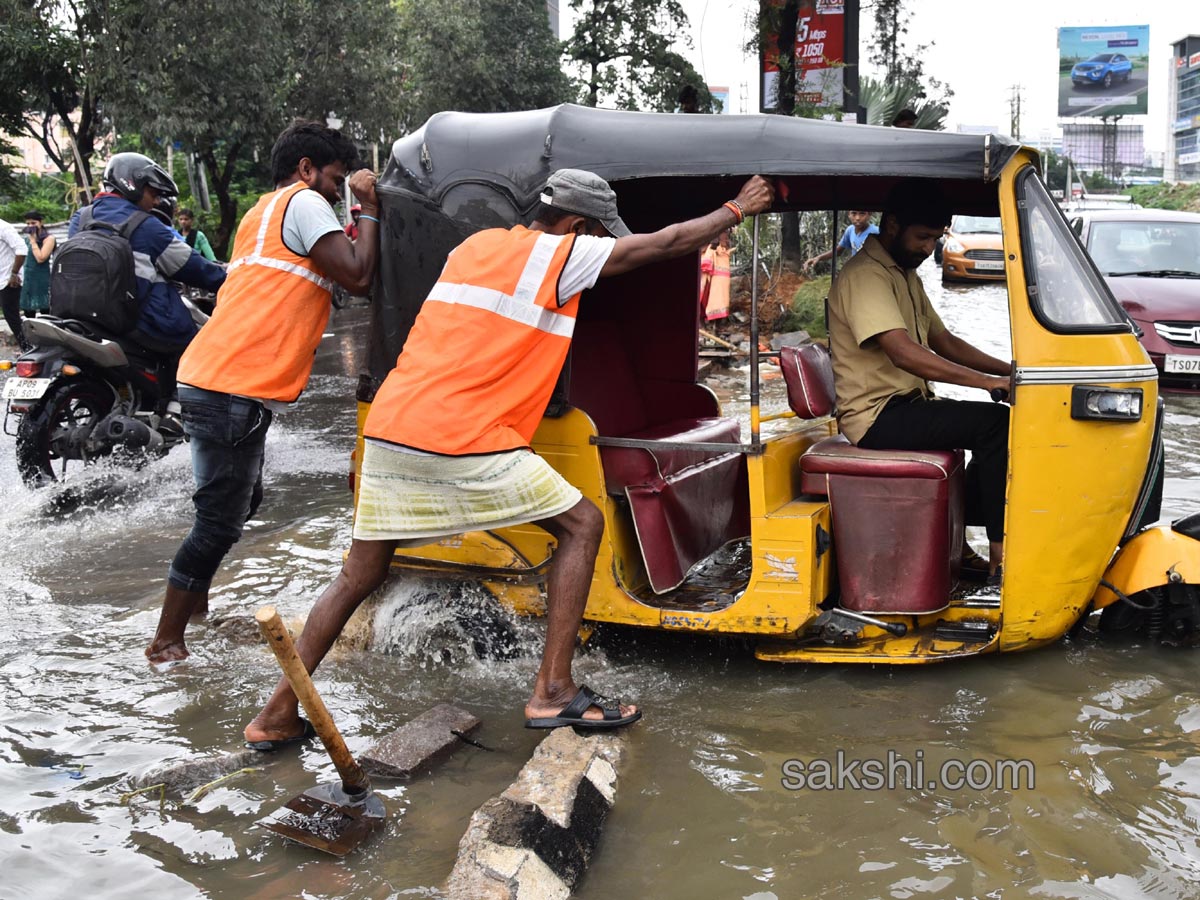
(1103, 71)
(820, 56)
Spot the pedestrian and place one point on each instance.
(714, 279)
(853, 238)
(12, 264)
(35, 283)
(193, 236)
(447, 437)
(906, 118)
(254, 356)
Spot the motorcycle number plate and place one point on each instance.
(25, 388)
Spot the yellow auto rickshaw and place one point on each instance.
(818, 550)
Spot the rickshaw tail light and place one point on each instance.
(1111, 404)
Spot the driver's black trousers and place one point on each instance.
(921, 423)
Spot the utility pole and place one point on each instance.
(1014, 105)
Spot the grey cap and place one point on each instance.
(585, 194)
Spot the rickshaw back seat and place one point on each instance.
(686, 504)
(625, 466)
(897, 522)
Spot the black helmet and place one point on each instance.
(129, 173)
(164, 210)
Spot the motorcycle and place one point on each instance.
(83, 394)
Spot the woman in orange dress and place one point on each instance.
(714, 279)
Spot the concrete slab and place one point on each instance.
(419, 743)
(535, 840)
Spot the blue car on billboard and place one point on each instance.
(1103, 68)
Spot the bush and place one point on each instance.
(808, 308)
(1184, 197)
(49, 194)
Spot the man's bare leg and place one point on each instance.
(178, 606)
(365, 569)
(578, 531)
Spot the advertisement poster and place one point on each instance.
(1103, 71)
(820, 57)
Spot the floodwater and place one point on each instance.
(702, 808)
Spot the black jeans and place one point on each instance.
(10, 299)
(228, 435)
(982, 428)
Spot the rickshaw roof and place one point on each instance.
(517, 151)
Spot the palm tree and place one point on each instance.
(883, 100)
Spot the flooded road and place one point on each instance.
(702, 807)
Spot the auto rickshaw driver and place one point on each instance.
(888, 343)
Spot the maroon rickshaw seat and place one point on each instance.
(897, 514)
(685, 504)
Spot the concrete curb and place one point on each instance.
(420, 743)
(536, 839)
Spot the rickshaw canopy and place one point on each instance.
(488, 168)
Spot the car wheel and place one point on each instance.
(1108, 79)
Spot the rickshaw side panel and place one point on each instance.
(1072, 483)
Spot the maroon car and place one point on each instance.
(1151, 261)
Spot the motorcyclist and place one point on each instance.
(135, 182)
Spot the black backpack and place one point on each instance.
(93, 276)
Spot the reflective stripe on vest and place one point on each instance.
(269, 317)
(485, 351)
(256, 257)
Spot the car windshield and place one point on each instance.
(1101, 57)
(1148, 247)
(976, 225)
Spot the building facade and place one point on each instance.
(1182, 160)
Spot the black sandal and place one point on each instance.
(573, 713)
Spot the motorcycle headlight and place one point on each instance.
(1111, 404)
(954, 245)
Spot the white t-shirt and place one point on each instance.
(11, 246)
(588, 256)
(309, 218)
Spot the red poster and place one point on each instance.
(820, 52)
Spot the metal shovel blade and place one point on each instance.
(326, 818)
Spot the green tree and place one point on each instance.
(622, 54)
(478, 56)
(225, 99)
(903, 67)
(51, 72)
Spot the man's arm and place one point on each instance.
(907, 354)
(352, 263)
(14, 277)
(177, 261)
(955, 349)
(638, 250)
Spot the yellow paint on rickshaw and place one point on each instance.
(1149, 560)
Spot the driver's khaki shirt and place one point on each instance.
(871, 295)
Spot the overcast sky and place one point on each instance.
(979, 49)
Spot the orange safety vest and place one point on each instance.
(485, 351)
(270, 313)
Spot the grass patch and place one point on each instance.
(1183, 197)
(808, 308)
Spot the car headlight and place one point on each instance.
(1088, 402)
(954, 245)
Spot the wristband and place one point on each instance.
(736, 208)
(371, 218)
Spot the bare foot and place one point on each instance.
(262, 729)
(173, 652)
